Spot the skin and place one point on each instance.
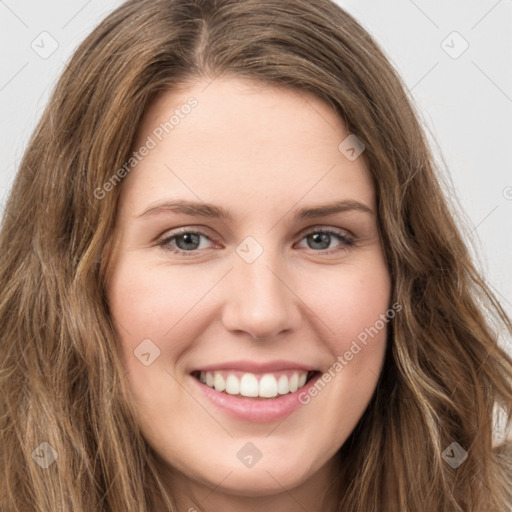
(261, 153)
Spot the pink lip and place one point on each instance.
(263, 410)
(254, 367)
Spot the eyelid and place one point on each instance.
(325, 228)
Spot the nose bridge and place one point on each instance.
(259, 300)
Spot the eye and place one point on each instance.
(321, 238)
(184, 242)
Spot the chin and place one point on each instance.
(262, 481)
(266, 477)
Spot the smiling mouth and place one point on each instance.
(255, 385)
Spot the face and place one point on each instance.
(249, 269)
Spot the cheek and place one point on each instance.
(353, 311)
(152, 303)
(148, 307)
(349, 302)
(357, 350)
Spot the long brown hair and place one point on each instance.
(445, 372)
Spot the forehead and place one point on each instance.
(246, 144)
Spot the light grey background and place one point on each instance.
(465, 100)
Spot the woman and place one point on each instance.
(325, 344)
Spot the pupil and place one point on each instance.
(189, 238)
(320, 238)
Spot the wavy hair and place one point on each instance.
(445, 374)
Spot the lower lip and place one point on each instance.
(256, 411)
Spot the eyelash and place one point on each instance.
(347, 241)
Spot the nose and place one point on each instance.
(260, 300)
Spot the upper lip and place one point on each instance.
(256, 367)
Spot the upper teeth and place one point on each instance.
(268, 386)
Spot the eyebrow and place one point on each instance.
(199, 209)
